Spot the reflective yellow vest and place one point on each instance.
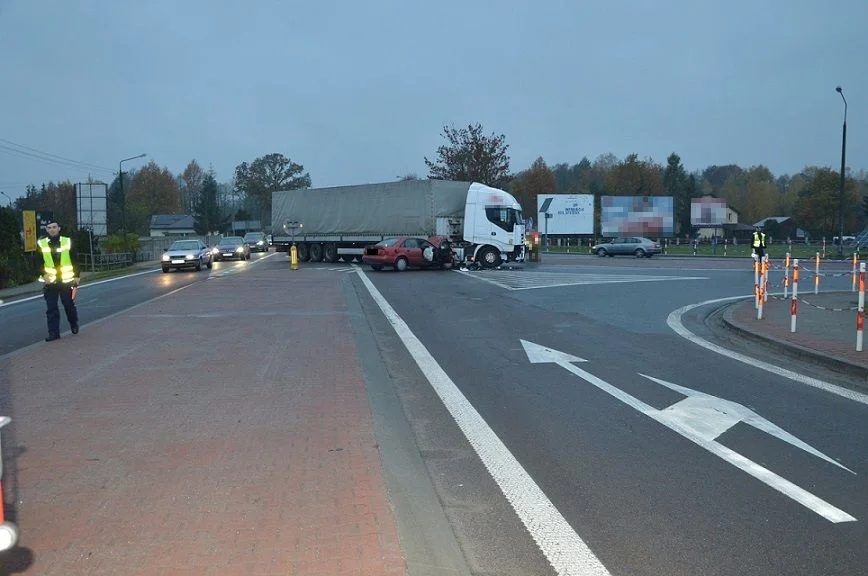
(759, 239)
(53, 273)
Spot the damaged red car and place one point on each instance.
(411, 252)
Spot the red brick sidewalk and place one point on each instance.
(217, 431)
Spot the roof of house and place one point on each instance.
(171, 221)
(778, 219)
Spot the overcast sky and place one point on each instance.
(358, 91)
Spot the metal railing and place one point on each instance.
(100, 262)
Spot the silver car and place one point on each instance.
(637, 246)
(186, 254)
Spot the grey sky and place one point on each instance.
(358, 91)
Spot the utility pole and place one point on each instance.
(841, 190)
(124, 199)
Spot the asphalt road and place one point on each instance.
(630, 462)
(772, 482)
(23, 320)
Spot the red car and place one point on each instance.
(402, 253)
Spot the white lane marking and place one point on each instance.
(674, 322)
(701, 418)
(565, 550)
(82, 287)
(532, 280)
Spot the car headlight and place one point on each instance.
(189, 257)
(166, 258)
(240, 249)
(260, 243)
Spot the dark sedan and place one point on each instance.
(231, 247)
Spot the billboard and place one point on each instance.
(707, 211)
(569, 213)
(91, 200)
(637, 215)
(30, 231)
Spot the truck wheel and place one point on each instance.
(348, 258)
(330, 252)
(400, 264)
(316, 252)
(489, 257)
(303, 252)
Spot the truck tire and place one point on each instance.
(330, 252)
(316, 252)
(488, 257)
(303, 252)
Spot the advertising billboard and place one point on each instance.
(569, 213)
(637, 215)
(707, 211)
(92, 212)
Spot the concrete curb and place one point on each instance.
(791, 349)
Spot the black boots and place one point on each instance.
(52, 337)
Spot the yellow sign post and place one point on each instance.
(293, 257)
(30, 231)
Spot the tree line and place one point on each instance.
(470, 154)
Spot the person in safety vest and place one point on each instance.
(61, 276)
(759, 242)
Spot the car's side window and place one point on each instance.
(411, 243)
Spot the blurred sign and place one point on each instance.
(29, 231)
(566, 213)
(707, 211)
(637, 215)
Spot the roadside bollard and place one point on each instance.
(293, 257)
(761, 290)
(756, 281)
(8, 531)
(766, 266)
(787, 275)
(817, 275)
(860, 315)
(855, 259)
(794, 304)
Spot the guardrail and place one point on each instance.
(100, 262)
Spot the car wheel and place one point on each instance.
(602, 252)
(199, 265)
(400, 264)
(165, 270)
(639, 253)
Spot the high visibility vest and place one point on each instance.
(64, 272)
(759, 239)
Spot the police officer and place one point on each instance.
(60, 275)
(759, 242)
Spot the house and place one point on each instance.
(172, 225)
(779, 228)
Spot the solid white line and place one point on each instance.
(83, 286)
(565, 550)
(674, 322)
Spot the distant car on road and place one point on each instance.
(403, 253)
(186, 254)
(257, 241)
(630, 245)
(231, 247)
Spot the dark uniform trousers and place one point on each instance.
(51, 292)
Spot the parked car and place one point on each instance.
(186, 254)
(403, 253)
(633, 245)
(256, 241)
(231, 247)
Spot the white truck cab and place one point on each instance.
(494, 226)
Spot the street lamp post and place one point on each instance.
(841, 190)
(7, 197)
(124, 197)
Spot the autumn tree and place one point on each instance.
(56, 197)
(266, 175)
(634, 177)
(817, 206)
(192, 178)
(675, 185)
(761, 193)
(153, 190)
(207, 214)
(539, 179)
(471, 156)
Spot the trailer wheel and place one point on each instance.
(316, 252)
(330, 252)
(348, 258)
(400, 264)
(489, 257)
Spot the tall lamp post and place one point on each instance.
(124, 197)
(841, 191)
(7, 197)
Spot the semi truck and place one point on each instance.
(484, 224)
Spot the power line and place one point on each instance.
(46, 157)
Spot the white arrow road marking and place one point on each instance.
(701, 418)
(565, 550)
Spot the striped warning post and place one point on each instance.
(860, 314)
(794, 304)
